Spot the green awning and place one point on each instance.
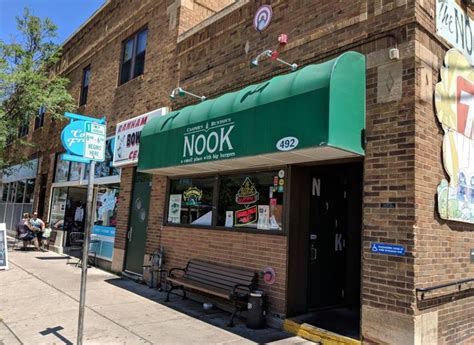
(315, 113)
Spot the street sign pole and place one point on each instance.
(85, 251)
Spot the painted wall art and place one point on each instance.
(454, 100)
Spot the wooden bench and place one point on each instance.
(230, 283)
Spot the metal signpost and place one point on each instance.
(84, 140)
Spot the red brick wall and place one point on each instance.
(123, 211)
(254, 251)
(442, 247)
(403, 162)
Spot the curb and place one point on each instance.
(316, 334)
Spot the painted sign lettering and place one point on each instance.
(455, 26)
(210, 141)
(73, 137)
(127, 137)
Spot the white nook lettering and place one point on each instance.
(207, 143)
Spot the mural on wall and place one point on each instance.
(454, 100)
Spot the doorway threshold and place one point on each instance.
(132, 276)
(330, 326)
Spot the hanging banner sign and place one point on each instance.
(455, 26)
(454, 100)
(127, 137)
(73, 137)
(83, 138)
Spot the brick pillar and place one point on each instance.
(123, 218)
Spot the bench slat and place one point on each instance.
(222, 272)
(216, 284)
(201, 287)
(212, 276)
(243, 272)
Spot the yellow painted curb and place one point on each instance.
(317, 334)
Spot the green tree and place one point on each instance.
(28, 81)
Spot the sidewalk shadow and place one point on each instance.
(55, 331)
(214, 316)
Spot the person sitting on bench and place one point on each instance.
(25, 232)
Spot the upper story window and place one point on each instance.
(86, 74)
(39, 119)
(133, 56)
(23, 129)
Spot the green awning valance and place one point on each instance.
(315, 113)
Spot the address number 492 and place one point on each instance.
(287, 144)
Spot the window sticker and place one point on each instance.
(174, 212)
(246, 216)
(263, 217)
(247, 193)
(192, 196)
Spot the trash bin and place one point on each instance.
(256, 310)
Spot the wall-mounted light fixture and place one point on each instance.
(180, 92)
(274, 56)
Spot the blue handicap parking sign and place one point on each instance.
(389, 249)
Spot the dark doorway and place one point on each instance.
(327, 239)
(325, 245)
(136, 235)
(42, 195)
(75, 212)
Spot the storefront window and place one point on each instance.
(75, 173)
(6, 187)
(105, 223)
(105, 168)
(58, 207)
(106, 206)
(62, 170)
(12, 192)
(191, 201)
(20, 191)
(30, 187)
(251, 200)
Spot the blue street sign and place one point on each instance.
(72, 158)
(73, 137)
(390, 249)
(83, 137)
(84, 118)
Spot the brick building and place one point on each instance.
(127, 58)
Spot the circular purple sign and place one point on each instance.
(262, 17)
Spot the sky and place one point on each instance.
(68, 15)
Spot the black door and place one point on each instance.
(327, 238)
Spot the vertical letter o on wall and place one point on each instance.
(200, 150)
(216, 142)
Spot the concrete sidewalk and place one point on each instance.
(39, 298)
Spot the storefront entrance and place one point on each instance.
(330, 203)
(138, 224)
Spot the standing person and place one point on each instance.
(37, 226)
(46, 235)
(25, 232)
